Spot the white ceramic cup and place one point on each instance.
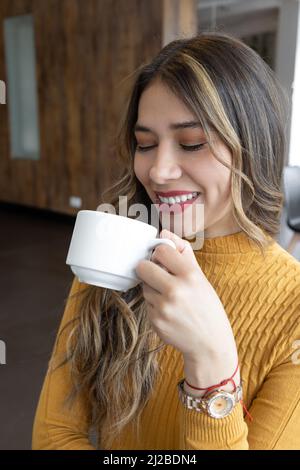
(106, 248)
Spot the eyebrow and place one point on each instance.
(174, 126)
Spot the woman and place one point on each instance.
(206, 116)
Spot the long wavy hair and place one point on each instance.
(112, 349)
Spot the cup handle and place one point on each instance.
(161, 241)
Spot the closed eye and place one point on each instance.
(193, 148)
(188, 148)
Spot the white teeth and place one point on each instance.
(174, 199)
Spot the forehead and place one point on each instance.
(158, 100)
(159, 106)
(173, 126)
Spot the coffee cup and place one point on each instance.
(105, 249)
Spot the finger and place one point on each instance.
(153, 275)
(184, 247)
(179, 242)
(151, 295)
(169, 258)
(157, 262)
(176, 263)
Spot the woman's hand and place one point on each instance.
(182, 305)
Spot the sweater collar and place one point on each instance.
(238, 242)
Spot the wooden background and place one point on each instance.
(85, 50)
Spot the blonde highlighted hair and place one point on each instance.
(112, 349)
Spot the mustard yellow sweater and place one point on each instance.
(262, 300)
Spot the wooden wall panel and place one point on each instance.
(180, 19)
(84, 50)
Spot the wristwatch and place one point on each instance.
(217, 404)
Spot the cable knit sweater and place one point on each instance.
(261, 297)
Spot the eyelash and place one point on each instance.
(188, 148)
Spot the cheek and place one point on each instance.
(225, 177)
(224, 189)
(222, 174)
(141, 170)
(217, 185)
(137, 167)
(224, 180)
(226, 183)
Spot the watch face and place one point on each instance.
(220, 405)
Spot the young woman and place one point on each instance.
(206, 116)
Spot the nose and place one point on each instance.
(165, 167)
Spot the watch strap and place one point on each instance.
(200, 403)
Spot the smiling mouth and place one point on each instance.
(177, 206)
(182, 199)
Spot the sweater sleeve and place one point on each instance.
(201, 432)
(275, 411)
(55, 425)
(276, 407)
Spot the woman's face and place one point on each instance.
(166, 161)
